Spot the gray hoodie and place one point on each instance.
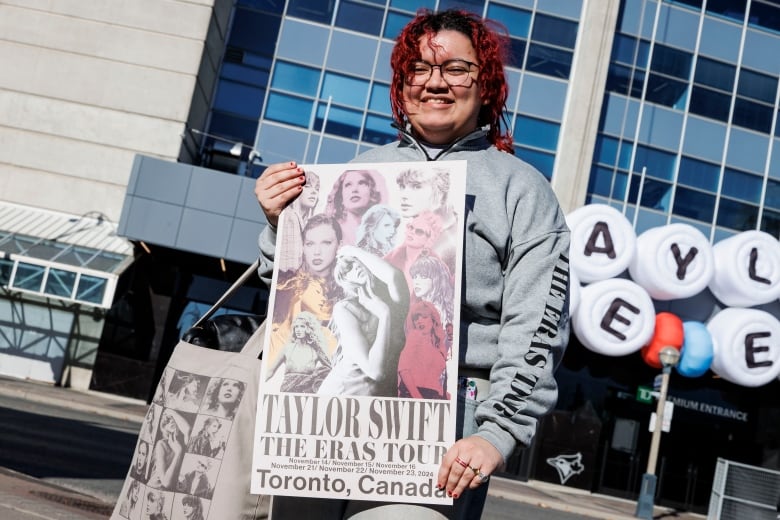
(514, 305)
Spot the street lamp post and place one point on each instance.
(669, 356)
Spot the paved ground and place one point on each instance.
(24, 498)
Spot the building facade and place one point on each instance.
(157, 116)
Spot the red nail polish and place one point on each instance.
(455, 495)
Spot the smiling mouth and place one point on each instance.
(437, 101)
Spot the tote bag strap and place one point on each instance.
(231, 290)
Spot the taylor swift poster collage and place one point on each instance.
(362, 341)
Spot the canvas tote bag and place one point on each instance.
(193, 456)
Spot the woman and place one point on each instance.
(223, 397)
(421, 233)
(138, 469)
(422, 366)
(168, 450)
(304, 357)
(432, 282)
(155, 506)
(366, 359)
(207, 441)
(130, 503)
(448, 94)
(192, 508)
(353, 193)
(295, 219)
(378, 230)
(184, 392)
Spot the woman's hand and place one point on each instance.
(467, 464)
(277, 186)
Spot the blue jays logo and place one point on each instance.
(567, 465)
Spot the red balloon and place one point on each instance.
(668, 333)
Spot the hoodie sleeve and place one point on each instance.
(267, 243)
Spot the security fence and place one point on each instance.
(741, 492)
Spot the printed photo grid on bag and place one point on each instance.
(180, 447)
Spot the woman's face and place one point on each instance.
(187, 509)
(320, 245)
(309, 195)
(416, 197)
(356, 192)
(214, 427)
(229, 391)
(423, 321)
(422, 285)
(140, 460)
(153, 504)
(355, 276)
(439, 113)
(300, 329)
(168, 425)
(384, 232)
(416, 236)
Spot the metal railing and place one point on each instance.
(741, 492)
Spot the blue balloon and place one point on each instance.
(697, 350)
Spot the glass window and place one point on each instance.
(516, 52)
(6, 265)
(715, 74)
(699, 174)
(625, 47)
(770, 223)
(233, 127)
(672, 62)
(289, 109)
(692, 3)
(737, 215)
(765, 15)
(727, 8)
(395, 22)
(315, 10)
(752, 115)
(600, 181)
(28, 276)
(666, 91)
(655, 194)
(60, 283)
(412, 5)
(555, 31)
(709, 103)
(757, 86)
(379, 101)
(378, 130)
(606, 150)
(343, 122)
(345, 90)
(517, 21)
(265, 5)
(659, 164)
(243, 74)
(474, 6)
(619, 80)
(694, 204)
(537, 133)
(296, 78)
(541, 161)
(549, 61)
(254, 31)
(239, 99)
(741, 185)
(91, 289)
(360, 17)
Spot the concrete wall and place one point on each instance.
(87, 85)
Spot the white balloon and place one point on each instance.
(614, 317)
(747, 269)
(603, 242)
(746, 344)
(672, 262)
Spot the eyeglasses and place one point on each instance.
(420, 232)
(454, 72)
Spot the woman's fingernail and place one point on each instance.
(455, 495)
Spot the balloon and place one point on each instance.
(614, 317)
(668, 333)
(746, 346)
(697, 350)
(602, 242)
(747, 269)
(672, 262)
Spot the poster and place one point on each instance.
(358, 388)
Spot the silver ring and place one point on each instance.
(482, 477)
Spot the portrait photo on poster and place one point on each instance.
(359, 379)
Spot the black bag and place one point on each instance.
(226, 332)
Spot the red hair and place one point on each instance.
(489, 41)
